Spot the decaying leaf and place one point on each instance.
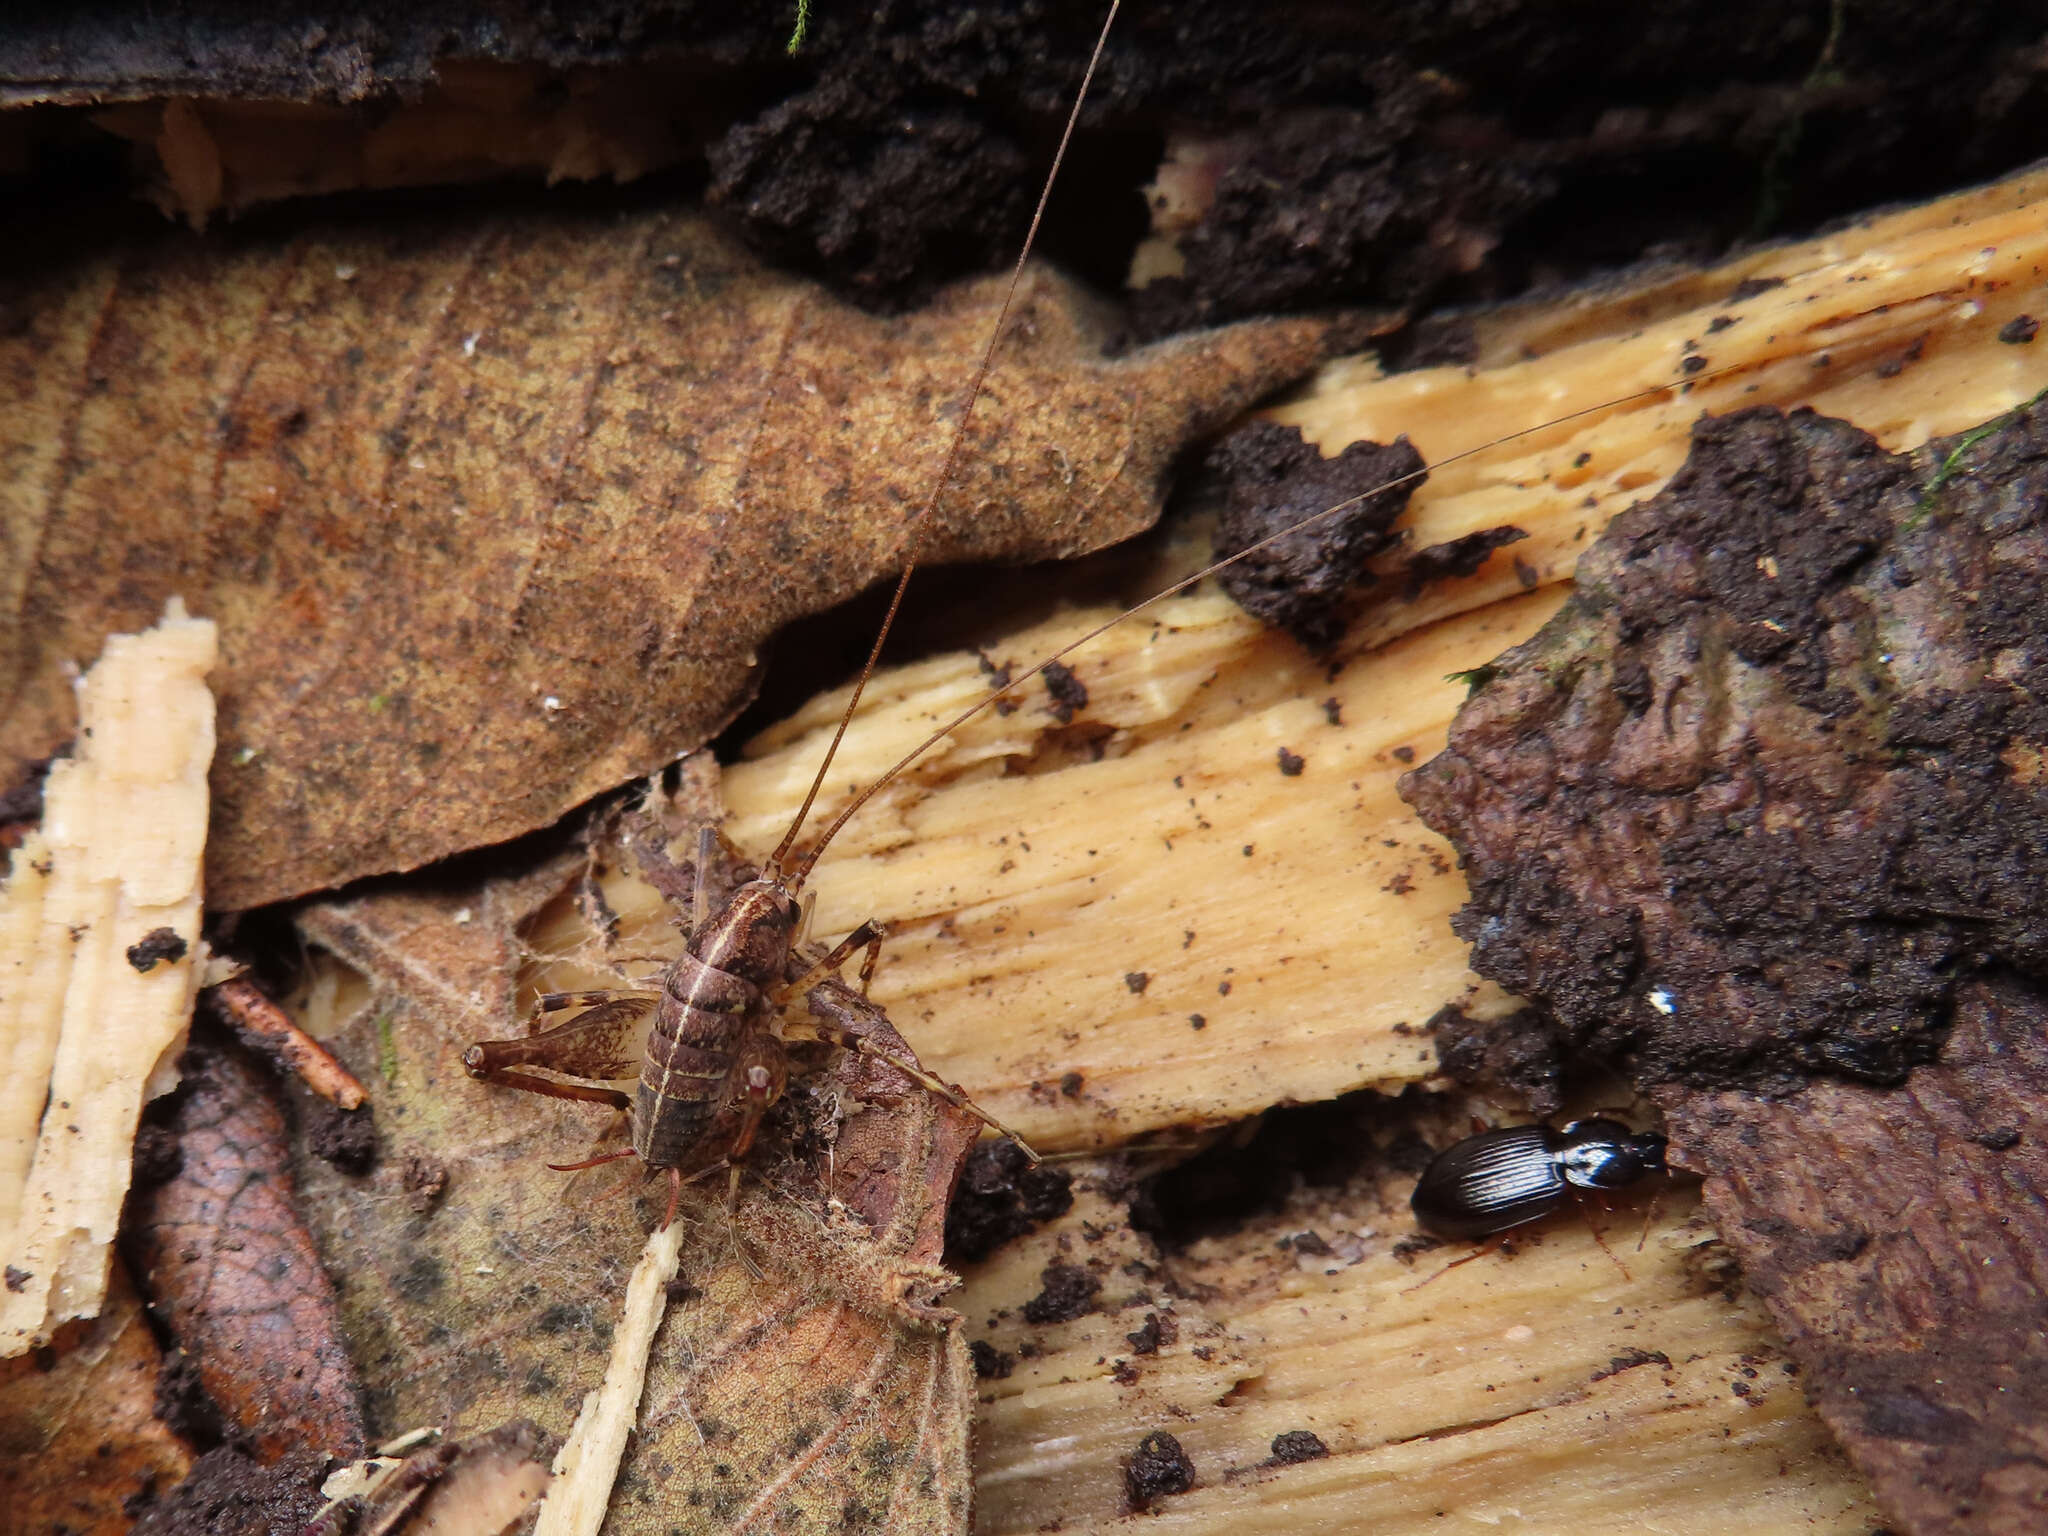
(485, 510)
(806, 1364)
(99, 940)
(1763, 804)
(231, 1269)
(476, 1287)
(80, 1443)
(482, 1486)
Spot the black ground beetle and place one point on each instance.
(1502, 1178)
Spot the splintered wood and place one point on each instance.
(1131, 917)
(1561, 1388)
(99, 938)
(1165, 928)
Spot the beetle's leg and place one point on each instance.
(869, 933)
(847, 1039)
(1592, 1226)
(1498, 1244)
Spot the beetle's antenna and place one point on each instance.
(923, 517)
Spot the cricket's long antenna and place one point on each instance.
(885, 779)
(922, 519)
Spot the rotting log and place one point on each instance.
(1123, 933)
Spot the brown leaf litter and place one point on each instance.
(433, 478)
(232, 1272)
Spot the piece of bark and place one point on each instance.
(1901, 1241)
(489, 504)
(1761, 807)
(228, 1263)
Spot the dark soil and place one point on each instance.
(1298, 1445)
(1406, 155)
(1157, 1468)
(1518, 1057)
(1304, 580)
(1001, 1196)
(1067, 1291)
(228, 1493)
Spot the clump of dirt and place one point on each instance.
(1157, 1468)
(1002, 1195)
(1457, 557)
(1294, 1446)
(1770, 787)
(1303, 581)
(857, 178)
(1067, 1291)
(1519, 1055)
(229, 1493)
(1343, 206)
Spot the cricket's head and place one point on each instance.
(751, 938)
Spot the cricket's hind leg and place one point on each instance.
(598, 1043)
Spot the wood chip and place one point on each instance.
(99, 939)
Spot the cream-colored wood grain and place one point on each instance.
(1487, 1392)
(1064, 901)
(1025, 879)
(85, 1037)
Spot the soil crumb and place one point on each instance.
(1002, 1196)
(1302, 582)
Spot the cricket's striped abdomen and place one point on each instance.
(687, 1064)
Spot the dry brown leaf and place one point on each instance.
(476, 1287)
(492, 508)
(231, 1268)
(79, 1436)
